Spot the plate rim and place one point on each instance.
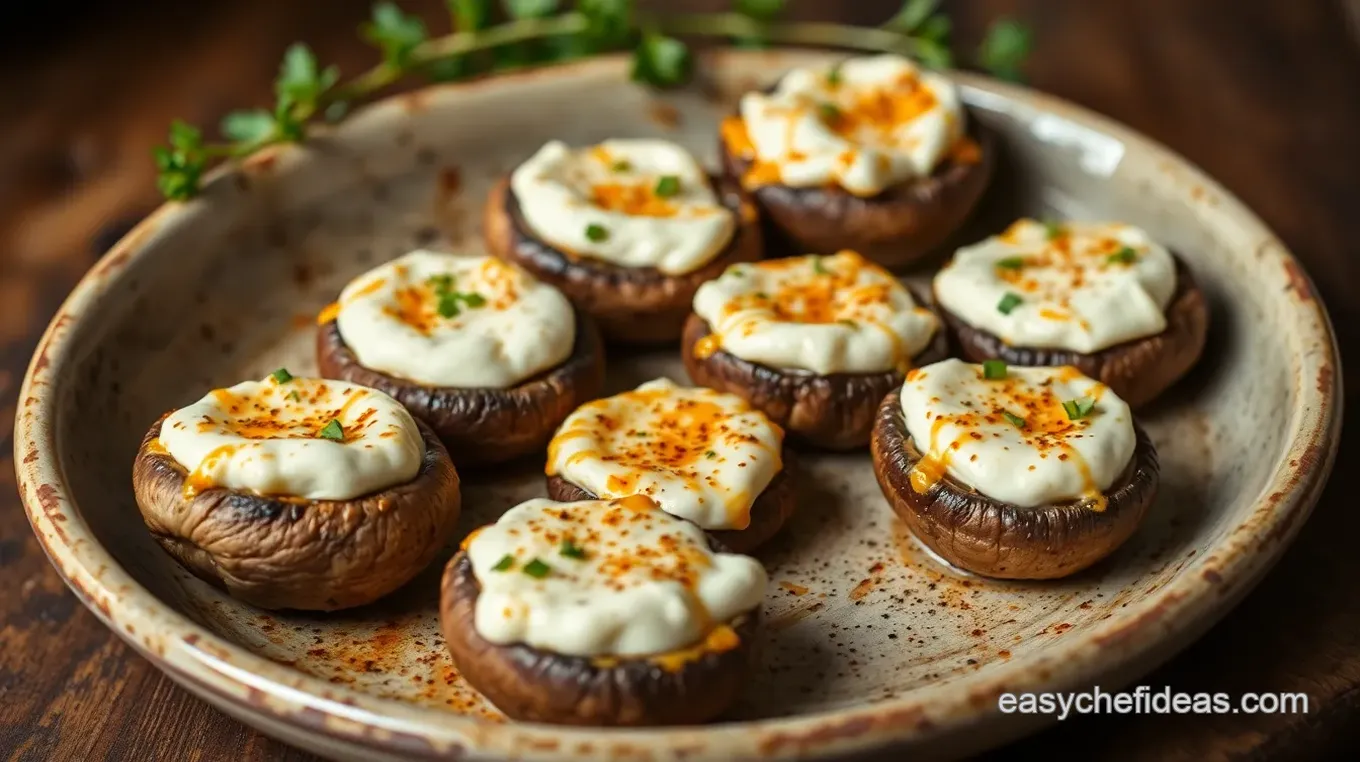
(223, 672)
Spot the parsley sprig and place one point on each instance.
(450, 302)
(540, 31)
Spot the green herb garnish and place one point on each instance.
(667, 186)
(448, 302)
(622, 165)
(1125, 256)
(537, 569)
(710, 454)
(506, 562)
(440, 282)
(818, 267)
(1014, 419)
(294, 396)
(1011, 263)
(848, 322)
(762, 295)
(1008, 302)
(833, 77)
(572, 550)
(1054, 230)
(994, 370)
(332, 431)
(281, 376)
(829, 111)
(596, 233)
(1078, 408)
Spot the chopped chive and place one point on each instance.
(441, 282)
(1125, 256)
(294, 396)
(818, 267)
(537, 569)
(474, 299)
(1008, 302)
(572, 550)
(829, 111)
(506, 562)
(596, 233)
(833, 77)
(1078, 408)
(1054, 230)
(1011, 263)
(332, 431)
(710, 454)
(994, 370)
(622, 165)
(1014, 419)
(281, 376)
(667, 186)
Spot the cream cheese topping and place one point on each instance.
(866, 125)
(1012, 438)
(607, 578)
(455, 321)
(308, 438)
(702, 455)
(837, 314)
(633, 203)
(1079, 286)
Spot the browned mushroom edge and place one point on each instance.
(1138, 370)
(834, 411)
(772, 507)
(897, 228)
(996, 539)
(291, 553)
(685, 687)
(483, 426)
(633, 305)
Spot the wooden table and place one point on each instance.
(1264, 95)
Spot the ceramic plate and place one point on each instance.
(872, 645)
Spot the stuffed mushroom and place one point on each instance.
(1015, 473)
(487, 355)
(814, 342)
(872, 154)
(1104, 297)
(627, 229)
(297, 493)
(607, 613)
(702, 455)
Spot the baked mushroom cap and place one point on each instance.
(483, 426)
(896, 228)
(772, 507)
(285, 553)
(531, 684)
(997, 539)
(633, 305)
(834, 411)
(1138, 370)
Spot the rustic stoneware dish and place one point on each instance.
(872, 646)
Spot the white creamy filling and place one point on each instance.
(305, 437)
(455, 321)
(1011, 438)
(702, 455)
(867, 124)
(838, 314)
(1078, 286)
(607, 578)
(633, 203)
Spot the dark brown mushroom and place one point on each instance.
(771, 508)
(633, 305)
(530, 684)
(291, 553)
(834, 411)
(1138, 370)
(897, 228)
(996, 539)
(483, 426)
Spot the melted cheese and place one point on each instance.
(633, 581)
(838, 314)
(508, 326)
(702, 455)
(867, 125)
(266, 437)
(1082, 287)
(609, 202)
(958, 420)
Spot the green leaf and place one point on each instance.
(530, 9)
(1125, 256)
(1010, 263)
(911, 15)
(505, 563)
(609, 22)
(596, 233)
(1005, 48)
(572, 550)
(936, 28)
(661, 61)
(185, 136)
(933, 54)
(760, 10)
(448, 304)
(993, 370)
(537, 569)
(1013, 419)
(281, 376)
(181, 164)
(1009, 301)
(395, 33)
(470, 15)
(300, 80)
(332, 431)
(448, 69)
(1078, 408)
(248, 126)
(667, 186)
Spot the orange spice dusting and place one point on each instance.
(878, 113)
(636, 200)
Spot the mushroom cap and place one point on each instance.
(633, 305)
(1138, 370)
(531, 684)
(896, 228)
(835, 411)
(997, 539)
(771, 509)
(314, 555)
(483, 426)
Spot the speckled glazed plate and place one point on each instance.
(872, 645)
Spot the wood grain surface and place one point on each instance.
(1263, 94)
